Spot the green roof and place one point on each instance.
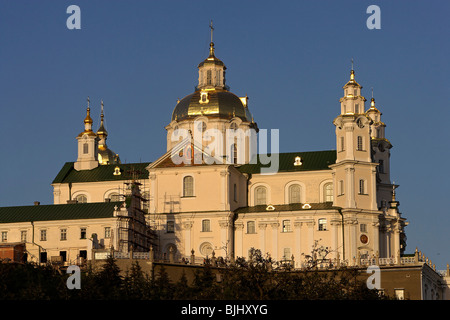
(58, 212)
(288, 207)
(311, 161)
(128, 171)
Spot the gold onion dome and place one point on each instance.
(211, 99)
(222, 104)
(105, 155)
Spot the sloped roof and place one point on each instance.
(58, 212)
(310, 161)
(68, 173)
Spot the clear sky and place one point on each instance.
(290, 57)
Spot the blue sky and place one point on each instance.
(290, 57)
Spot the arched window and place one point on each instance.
(251, 227)
(188, 186)
(294, 193)
(114, 197)
(260, 196)
(81, 198)
(328, 192)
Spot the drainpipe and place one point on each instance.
(32, 240)
(343, 233)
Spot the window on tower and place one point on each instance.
(208, 77)
(360, 143)
(85, 148)
(362, 186)
(380, 166)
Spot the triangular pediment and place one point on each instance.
(186, 153)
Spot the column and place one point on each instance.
(262, 237)
(239, 237)
(187, 226)
(275, 226)
(153, 195)
(350, 192)
(297, 245)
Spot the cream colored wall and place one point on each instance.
(212, 189)
(270, 237)
(277, 185)
(53, 245)
(189, 235)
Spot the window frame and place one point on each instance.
(322, 224)
(257, 197)
(206, 225)
(186, 187)
(251, 230)
(286, 226)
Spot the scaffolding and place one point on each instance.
(134, 232)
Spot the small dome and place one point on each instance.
(107, 156)
(218, 104)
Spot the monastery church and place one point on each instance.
(341, 199)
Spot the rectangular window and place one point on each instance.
(4, 236)
(381, 166)
(363, 227)
(85, 148)
(360, 144)
(287, 253)
(362, 186)
(235, 192)
(251, 227)
(341, 187)
(63, 255)
(170, 226)
(107, 232)
(206, 225)
(23, 236)
(286, 226)
(356, 108)
(208, 77)
(322, 225)
(63, 234)
(83, 233)
(83, 254)
(342, 144)
(44, 235)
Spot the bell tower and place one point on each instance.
(354, 171)
(87, 145)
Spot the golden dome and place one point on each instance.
(220, 104)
